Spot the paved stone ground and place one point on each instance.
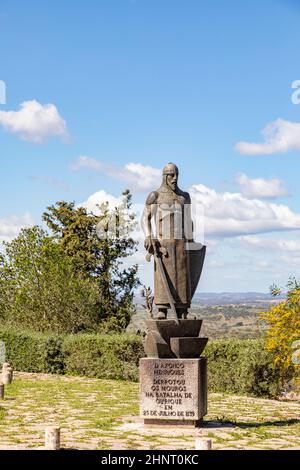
(102, 414)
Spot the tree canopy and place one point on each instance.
(73, 278)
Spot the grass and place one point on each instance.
(2, 414)
(101, 414)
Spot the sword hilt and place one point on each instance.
(162, 251)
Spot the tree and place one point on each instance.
(283, 334)
(40, 289)
(98, 244)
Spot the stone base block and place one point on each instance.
(156, 346)
(173, 391)
(188, 347)
(170, 329)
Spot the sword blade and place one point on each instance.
(166, 285)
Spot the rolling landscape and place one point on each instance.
(225, 315)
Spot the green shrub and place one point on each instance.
(104, 356)
(234, 366)
(33, 352)
(242, 367)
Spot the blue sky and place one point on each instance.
(152, 81)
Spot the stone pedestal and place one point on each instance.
(173, 391)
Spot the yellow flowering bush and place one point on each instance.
(283, 334)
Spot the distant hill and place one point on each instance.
(230, 298)
(234, 298)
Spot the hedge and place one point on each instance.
(103, 356)
(33, 352)
(113, 356)
(235, 366)
(241, 366)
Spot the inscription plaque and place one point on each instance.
(173, 389)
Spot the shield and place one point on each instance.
(196, 256)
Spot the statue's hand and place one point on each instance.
(148, 245)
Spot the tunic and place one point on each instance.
(173, 228)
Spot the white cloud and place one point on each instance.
(86, 162)
(10, 226)
(261, 188)
(292, 246)
(280, 136)
(142, 176)
(261, 264)
(35, 122)
(291, 261)
(139, 177)
(98, 198)
(232, 214)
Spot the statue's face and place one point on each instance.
(172, 180)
